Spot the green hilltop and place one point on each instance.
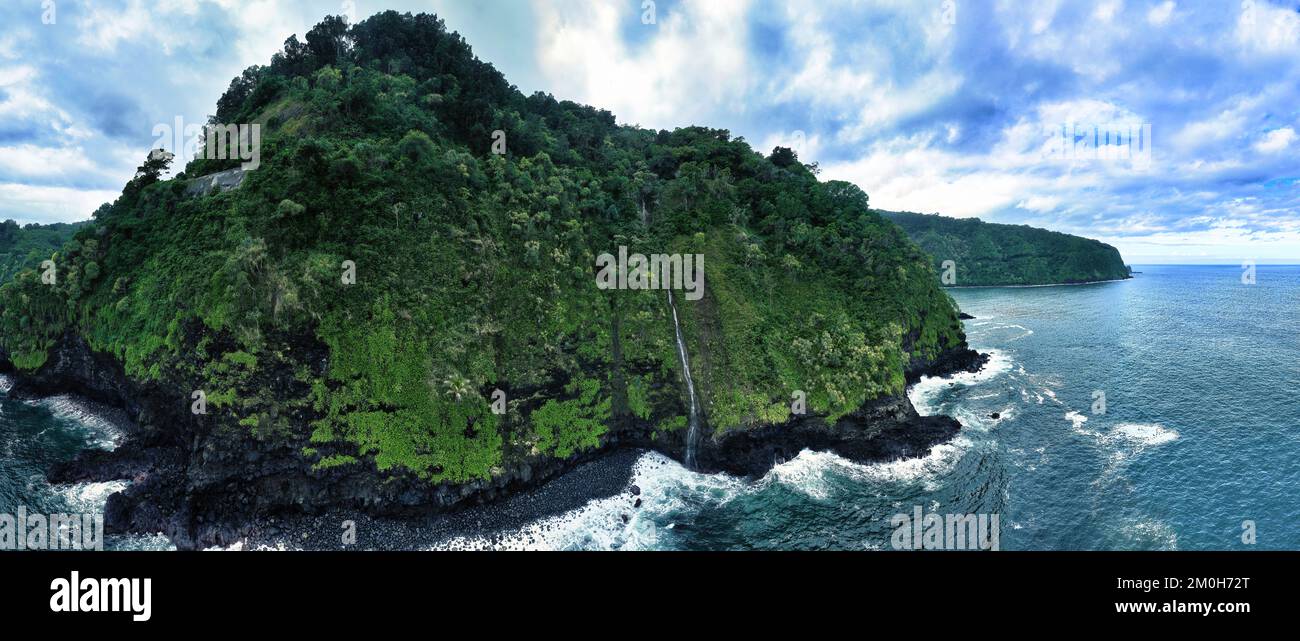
(25, 246)
(995, 254)
(476, 271)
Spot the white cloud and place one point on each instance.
(1161, 13)
(906, 174)
(693, 66)
(22, 104)
(1107, 10)
(852, 73)
(9, 43)
(806, 147)
(1266, 28)
(1276, 140)
(103, 27)
(30, 161)
(1216, 244)
(1040, 204)
(50, 204)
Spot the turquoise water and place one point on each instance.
(1199, 434)
(35, 436)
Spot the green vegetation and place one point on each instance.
(993, 254)
(476, 271)
(26, 246)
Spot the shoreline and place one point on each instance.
(1091, 282)
(883, 430)
(608, 476)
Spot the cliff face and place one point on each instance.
(991, 254)
(203, 486)
(400, 310)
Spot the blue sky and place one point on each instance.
(930, 106)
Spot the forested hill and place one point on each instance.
(27, 245)
(994, 254)
(421, 239)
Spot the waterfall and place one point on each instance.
(693, 432)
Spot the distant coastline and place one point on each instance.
(971, 252)
(1091, 282)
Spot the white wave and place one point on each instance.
(89, 498)
(1143, 434)
(1077, 420)
(928, 470)
(141, 542)
(667, 489)
(924, 391)
(242, 545)
(1026, 332)
(6, 383)
(982, 420)
(810, 471)
(670, 493)
(1151, 534)
(1127, 441)
(103, 433)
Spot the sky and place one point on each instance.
(997, 109)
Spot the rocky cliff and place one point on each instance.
(205, 487)
(402, 311)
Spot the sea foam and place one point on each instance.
(102, 431)
(668, 491)
(88, 498)
(923, 392)
(1143, 434)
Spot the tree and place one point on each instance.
(329, 42)
(784, 157)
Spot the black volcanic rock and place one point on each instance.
(200, 487)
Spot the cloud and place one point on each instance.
(929, 110)
(1276, 140)
(30, 161)
(28, 203)
(1160, 14)
(692, 65)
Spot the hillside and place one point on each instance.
(347, 315)
(25, 246)
(994, 254)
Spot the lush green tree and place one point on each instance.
(992, 254)
(364, 291)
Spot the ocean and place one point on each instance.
(1158, 413)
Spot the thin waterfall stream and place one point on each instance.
(693, 431)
